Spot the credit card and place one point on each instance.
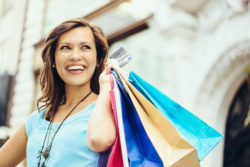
(121, 56)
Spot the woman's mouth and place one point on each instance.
(75, 69)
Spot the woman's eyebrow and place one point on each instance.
(61, 43)
(83, 42)
(87, 42)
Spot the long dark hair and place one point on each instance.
(52, 86)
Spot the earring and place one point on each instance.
(53, 66)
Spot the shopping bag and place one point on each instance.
(113, 157)
(203, 137)
(103, 158)
(173, 150)
(116, 105)
(141, 152)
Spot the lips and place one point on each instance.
(75, 68)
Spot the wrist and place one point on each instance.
(105, 87)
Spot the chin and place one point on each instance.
(77, 83)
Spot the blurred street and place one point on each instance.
(195, 51)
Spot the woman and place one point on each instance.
(74, 118)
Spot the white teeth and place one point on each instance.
(76, 68)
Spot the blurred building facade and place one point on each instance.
(195, 51)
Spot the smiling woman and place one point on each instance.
(75, 56)
(74, 120)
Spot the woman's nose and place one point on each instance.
(75, 55)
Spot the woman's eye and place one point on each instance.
(65, 48)
(85, 47)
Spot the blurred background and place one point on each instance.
(195, 51)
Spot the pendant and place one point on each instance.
(46, 153)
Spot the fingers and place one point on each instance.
(112, 63)
(108, 68)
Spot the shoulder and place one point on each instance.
(35, 115)
(32, 119)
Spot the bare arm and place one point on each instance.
(101, 131)
(14, 150)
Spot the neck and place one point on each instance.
(74, 94)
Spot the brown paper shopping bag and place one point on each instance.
(171, 147)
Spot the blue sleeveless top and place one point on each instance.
(69, 148)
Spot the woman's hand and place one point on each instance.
(104, 81)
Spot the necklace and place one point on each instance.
(45, 152)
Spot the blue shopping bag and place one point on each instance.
(203, 137)
(140, 150)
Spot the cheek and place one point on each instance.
(93, 59)
(59, 59)
(59, 64)
(93, 66)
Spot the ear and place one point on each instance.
(97, 63)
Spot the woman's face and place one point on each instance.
(75, 56)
